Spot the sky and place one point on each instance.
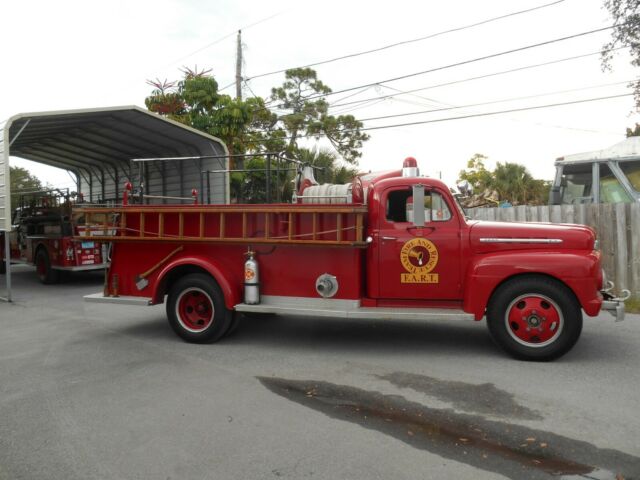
(80, 54)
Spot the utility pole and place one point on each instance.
(239, 67)
(238, 162)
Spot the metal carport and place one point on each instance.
(97, 145)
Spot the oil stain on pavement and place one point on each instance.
(484, 398)
(514, 451)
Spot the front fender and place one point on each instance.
(576, 269)
(230, 289)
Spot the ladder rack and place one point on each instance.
(327, 225)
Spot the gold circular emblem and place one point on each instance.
(419, 255)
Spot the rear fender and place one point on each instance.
(578, 270)
(231, 291)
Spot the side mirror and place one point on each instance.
(418, 205)
(555, 196)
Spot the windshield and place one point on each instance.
(632, 172)
(461, 209)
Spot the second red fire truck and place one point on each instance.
(47, 234)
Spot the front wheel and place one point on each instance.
(534, 318)
(196, 309)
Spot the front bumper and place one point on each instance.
(614, 305)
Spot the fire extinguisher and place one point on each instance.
(251, 280)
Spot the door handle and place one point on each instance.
(389, 238)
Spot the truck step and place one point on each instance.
(313, 307)
(123, 300)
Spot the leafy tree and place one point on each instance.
(511, 181)
(22, 181)
(476, 173)
(626, 33)
(635, 132)
(242, 125)
(306, 115)
(249, 126)
(195, 101)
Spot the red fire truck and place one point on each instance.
(388, 246)
(43, 234)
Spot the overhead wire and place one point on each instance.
(477, 77)
(499, 112)
(466, 62)
(405, 42)
(476, 115)
(492, 102)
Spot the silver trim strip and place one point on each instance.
(520, 240)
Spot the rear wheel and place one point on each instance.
(46, 274)
(534, 318)
(196, 309)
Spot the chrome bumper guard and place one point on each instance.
(614, 305)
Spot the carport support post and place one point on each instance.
(7, 259)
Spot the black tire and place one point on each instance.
(196, 309)
(46, 274)
(534, 318)
(233, 324)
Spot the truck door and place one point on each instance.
(418, 262)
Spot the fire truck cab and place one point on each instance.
(391, 246)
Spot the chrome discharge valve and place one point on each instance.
(327, 285)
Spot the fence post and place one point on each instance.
(620, 251)
(634, 220)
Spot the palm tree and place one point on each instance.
(330, 169)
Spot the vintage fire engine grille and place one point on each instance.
(293, 225)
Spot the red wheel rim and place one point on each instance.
(534, 320)
(195, 310)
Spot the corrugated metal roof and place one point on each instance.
(626, 149)
(97, 143)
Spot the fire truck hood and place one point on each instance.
(498, 236)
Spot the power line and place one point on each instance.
(492, 102)
(475, 115)
(499, 112)
(478, 77)
(466, 62)
(405, 42)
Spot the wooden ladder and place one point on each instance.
(330, 225)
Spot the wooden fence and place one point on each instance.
(617, 225)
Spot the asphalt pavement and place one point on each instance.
(90, 391)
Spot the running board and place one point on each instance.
(123, 300)
(82, 268)
(313, 307)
